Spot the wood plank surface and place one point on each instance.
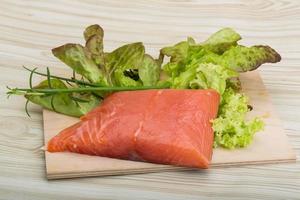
(269, 146)
(29, 29)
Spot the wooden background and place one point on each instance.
(29, 29)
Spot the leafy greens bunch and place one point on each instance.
(214, 63)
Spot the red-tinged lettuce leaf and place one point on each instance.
(93, 30)
(238, 58)
(94, 43)
(242, 59)
(79, 59)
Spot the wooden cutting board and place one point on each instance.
(269, 146)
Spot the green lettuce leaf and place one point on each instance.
(210, 76)
(74, 105)
(126, 57)
(149, 71)
(231, 128)
(179, 51)
(222, 40)
(178, 56)
(122, 78)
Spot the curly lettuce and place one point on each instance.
(231, 128)
(204, 76)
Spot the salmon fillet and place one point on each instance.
(160, 126)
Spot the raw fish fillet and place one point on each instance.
(159, 126)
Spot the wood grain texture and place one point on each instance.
(261, 151)
(29, 29)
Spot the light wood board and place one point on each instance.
(269, 146)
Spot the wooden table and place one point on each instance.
(29, 29)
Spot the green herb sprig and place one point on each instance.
(40, 92)
(51, 91)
